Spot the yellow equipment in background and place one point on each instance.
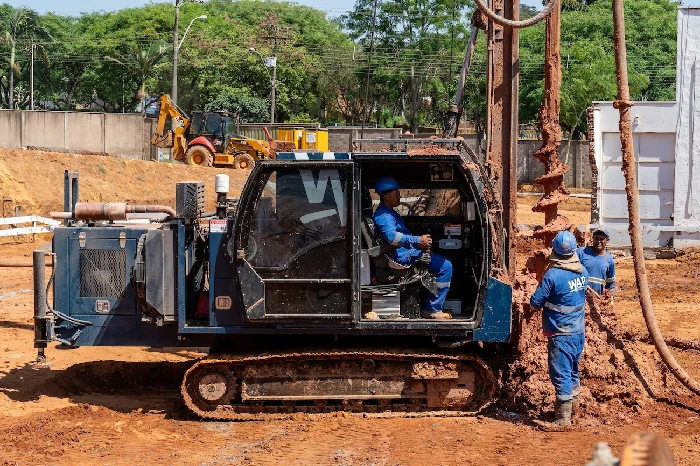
(305, 138)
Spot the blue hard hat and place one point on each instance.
(564, 243)
(386, 183)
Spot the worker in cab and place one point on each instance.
(562, 297)
(411, 248)
(599, 263)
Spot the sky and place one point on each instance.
(75, 7)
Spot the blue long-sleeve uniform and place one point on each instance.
(394, 231)
(601, 269)
(562, 297)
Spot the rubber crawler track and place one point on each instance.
(245, 412)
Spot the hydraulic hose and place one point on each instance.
(516, 24)
(623, 104)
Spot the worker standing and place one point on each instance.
(599, 263)
(562, 297)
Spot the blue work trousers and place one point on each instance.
(564, 352)
(441, 267)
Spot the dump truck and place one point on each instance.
(291, 287)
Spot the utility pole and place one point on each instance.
(31, 76)
(369, 68)
(176, 46)
(273, 84)
(271, 62)
(173, 91)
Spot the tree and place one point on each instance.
(249, 109)
(527, 11)
(414, 53)
(587, 53)
(23, 30)
(141, 61)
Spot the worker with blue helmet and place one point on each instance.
(411, 248)
(599, 263)
(562, 297)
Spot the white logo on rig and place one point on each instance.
(316, 191)
(577, 284)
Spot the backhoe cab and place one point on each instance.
(213, 140)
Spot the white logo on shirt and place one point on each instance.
(577, 284)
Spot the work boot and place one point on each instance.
(574, 405)
(435, 315)
(562, 411)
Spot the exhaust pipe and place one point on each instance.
(43, 324)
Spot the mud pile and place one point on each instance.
(617, 375)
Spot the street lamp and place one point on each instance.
(176, 44)
(203, 17)
(270, 62)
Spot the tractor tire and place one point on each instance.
(243, 162)
(199, 156)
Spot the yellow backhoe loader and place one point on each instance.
(209, 138)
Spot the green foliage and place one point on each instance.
(527, 11)
(303, 118)
(107, 60)
(249, 109)
(587, 55)
(414, 56)
(22, 28)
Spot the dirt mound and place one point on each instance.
(33, 180)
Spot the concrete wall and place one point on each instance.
(10, 130)
(128, 136)
(121, 135)
(572, 153)
(340, 138)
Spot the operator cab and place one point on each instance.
(215, 126)
(301, 255)
(436, 199)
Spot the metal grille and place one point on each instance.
(102, 273)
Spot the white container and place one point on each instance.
(221, 184)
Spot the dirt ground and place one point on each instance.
(113, 406)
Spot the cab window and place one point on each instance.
(300, 224)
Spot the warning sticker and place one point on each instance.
(217, 225)
(453, 228)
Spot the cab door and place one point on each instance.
(294, 241)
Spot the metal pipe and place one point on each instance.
(516, 24)
(623, 104)
(148, 209)
(40, 320)
(114, 210)
(9, 263)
